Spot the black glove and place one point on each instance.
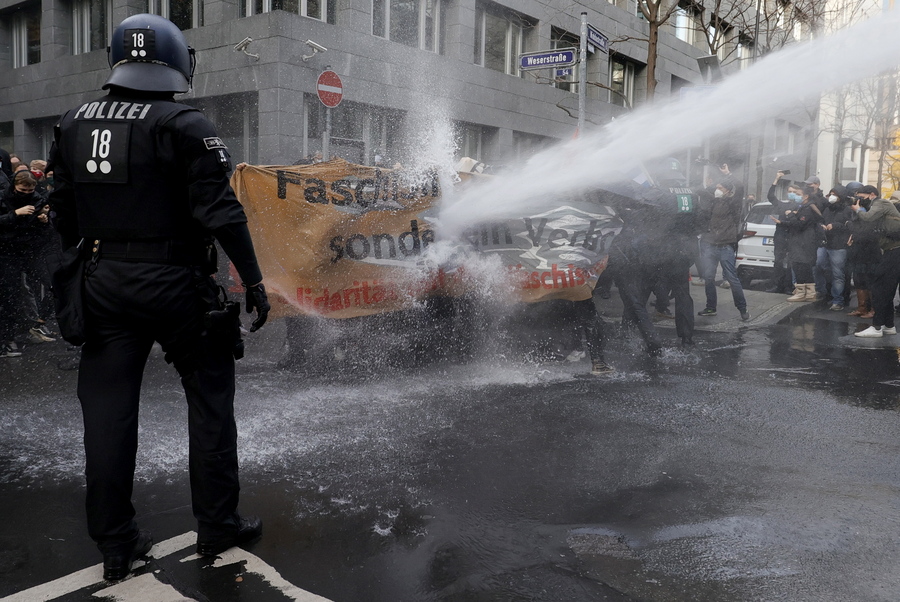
(258, 300)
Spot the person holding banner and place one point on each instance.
(142, 181)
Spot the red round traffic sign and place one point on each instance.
(330, 89)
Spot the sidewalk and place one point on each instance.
(766, 309)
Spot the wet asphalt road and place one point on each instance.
(760, 465)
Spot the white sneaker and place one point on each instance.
(870, 333)
(576, 356)
(886, 330)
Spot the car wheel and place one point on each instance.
(745, 277)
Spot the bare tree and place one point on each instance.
(656, 13)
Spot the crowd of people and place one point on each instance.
(828, 244)
(27, 239)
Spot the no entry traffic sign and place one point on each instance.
(330, 89)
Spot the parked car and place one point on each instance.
(756, 250)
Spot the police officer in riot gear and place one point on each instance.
(657, 245)
(143, 182)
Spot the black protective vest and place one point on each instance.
(124, 188)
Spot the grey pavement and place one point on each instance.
(759, 465)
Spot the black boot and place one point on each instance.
(117, 562)
(249, 529)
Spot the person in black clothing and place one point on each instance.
(143, 180)
(657, 245)
(863, 255)
(781, 274)
(831, 257)
(23, 215)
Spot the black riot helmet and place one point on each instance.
(149, 53)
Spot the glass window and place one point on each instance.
(621, 82)
(315, 9)
(761, 214)
(91, 25)
(563, 39)
(468, 141)
(26, 36)
(186, 14)
(414, 23)
(499, 39)
(684, 25)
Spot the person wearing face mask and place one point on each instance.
(781, 274)
(23, 214)
(802, 240)
(718, 244)
(831, 257)
(886, 273)
(863, 254)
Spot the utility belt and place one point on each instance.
(164, 251)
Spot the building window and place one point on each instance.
(26, 36)
(91, 25)
(621, 82)
(565, 78)
(322, 10)
(414, 23)
(684, 23)
(499, 39)
(186, 14)
(468, 141)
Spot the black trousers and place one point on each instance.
(634, 282)
(781, 275)
(883, 286)
(589, 323)
(674, 274)
(128, 306)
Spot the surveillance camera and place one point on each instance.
(316, 47)
(242, 45)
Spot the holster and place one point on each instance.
(222, 323)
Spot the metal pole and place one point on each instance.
(326, 143)
(582, 74)
(756, 33)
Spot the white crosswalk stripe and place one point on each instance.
(147, 588)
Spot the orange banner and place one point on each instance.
(342, 240)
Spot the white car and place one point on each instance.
(756, 250)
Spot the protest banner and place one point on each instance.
(341, 240)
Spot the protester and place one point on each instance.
(782, 282)
(23, 214)
(801, 225)
(831, 257)
(886, 273)
(718, 244)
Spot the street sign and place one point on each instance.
(544, 59)
(565, 72)
(597, 40)
(330, 89)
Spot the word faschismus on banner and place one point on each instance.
(543, 59)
